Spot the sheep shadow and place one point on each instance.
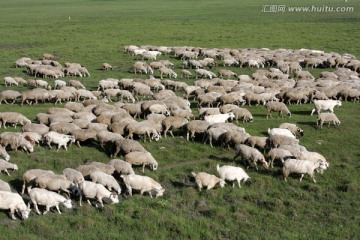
(185, 183)
(16, 184)
(309, 124)
(305, 113)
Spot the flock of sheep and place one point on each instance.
(121, 110)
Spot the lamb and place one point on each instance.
(50, 199)
(106, 180)
(301, 166)
(278, 153)
(232, 173)
(16, 140)
(73, 175)
(9, 95)
(141, 158)
(13, 118)
(196, 126)
(142, 183)
(325, 105)
(250, 154)
(327, 118)
(92, 190)
(293, 128)
(219, 118)
(30, 175)
(277, 107)
(209, 181)
(55, 182)
(9, 81)
(173, 122)
(260, 142)
(13, 202)
(4, 186)
(121, 167)
(106, 67)
(59, 139)
(5, 166)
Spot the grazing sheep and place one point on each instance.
(327, 118)
(9, 95)
(173, 122)
(279, 107)
(234, 138)
(280, 131)
(142, 183)
(260, 142)
(232, 173)
(5, 166)
(59, 139)
(126, 146)
(13, 202)
(35, 127)
(9, 81)
(144, 128)
(106, 67)
(213, 134)
(106, 168)
(121, 167)
(250, 154)
(293, 128)
(278, 153)
(86, 170)
(4, 186)
(219, 118)
(4, 154)
(54, 182)
(243, 114)
(301, 166)
(63, 128)
(73, 175)
(13, 118)
(195, 126)
(16, 140)
(106, 180)
(141, 158)
(50, 199)
(30, 175)
(325, 105)
(278, 140)
(82, 135)
(92, 190)
(209, 181)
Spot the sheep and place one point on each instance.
(30, 175)
(127, 95)
(105, 136)
(126, 146)
(61, 95)
(293, 128)
(86, 169)
(141, 158)
(106, 168)
(327, 118)
(63, 128)
(92, 190)
(59, 84)
(106, 67)
(35, 127)
(250, 154)
(76, 84)
(173, 122)
(4, 186)
(73, 175)
(16, 140)
(59, 139)
(142, 67)
(242, 114)
(34, 94)
(82, 135)
(213, 134)
(4, 154)
(9, 95)
(50, 199)
(325, 105)
(121, 167)
(278, 140)
(144, 128)
(234, 138)
(54, 182)
(13, 118)
(85, 94)
(260, 142)
(278, 153)
(106, 180)
(195, 126)
(280, 131)
(232, 173)
(277, 107)
(42, 84)
(13, 202)
(209, 181)
(108, 84)
(5, 166)
(226, 73)
(219, 118)
(186, 73)
(9, 81)
(159, 108)
(314, 157)
(301, 166)
(142, 183)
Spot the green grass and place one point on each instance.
(266, 207)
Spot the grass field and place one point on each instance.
(266, 207)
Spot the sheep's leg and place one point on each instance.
(47, 210)
(143, 169)
(6, 171)
(36, 207)
(171, 133)
(302, 175)
(12, 214)
(88, 201)
(78, 143)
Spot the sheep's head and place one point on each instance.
(264, 163)
(289, 114)
(222, 183)
(25, 213)
(67, 203)
(160, 192)
(114, 198)
(300, 131)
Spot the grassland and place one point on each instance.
(265, 208)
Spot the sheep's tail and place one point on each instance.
(194, 174)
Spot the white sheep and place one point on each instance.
(106, 66)
(280, 131)
(279, 107)
(4, 186)
(73, 175)
(195, 126)
(250, 154)
(141, 158)
(13, 118)
(92, 190)
(301, 166)
(106, 180)
(16, 140)
(327, 118)
(257, 141)
(121, 166)
(30, 175)
(325, 105)
(126, 146)
(59, 84)
(219, 118)
(47, 198)
(5, 166)
(173, 122)
(4, 154)
(213, 134)
(142, 183)
(293, 128)
(54, 182)
(9, 81)
(209, 181)
(278, 140)
(232, 173)
(15, 203)
(59, 139)
(278, 153)
(9, 95)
